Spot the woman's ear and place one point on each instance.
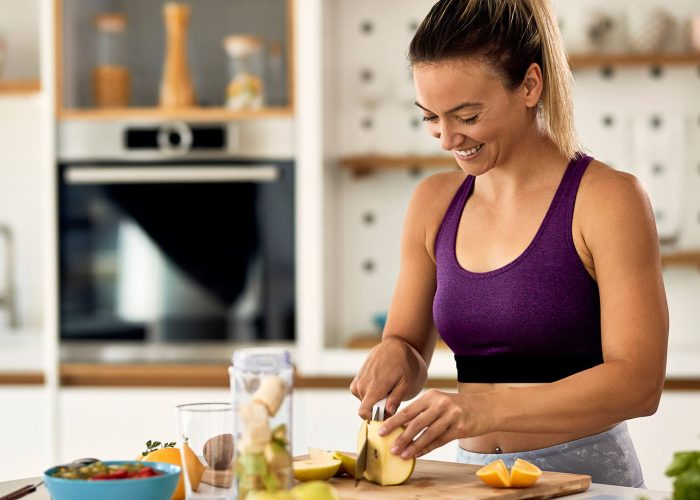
(532, 85)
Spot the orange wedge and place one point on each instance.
(495, 474)
(524, 474)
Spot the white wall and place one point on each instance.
(19, 26)
(21, 202)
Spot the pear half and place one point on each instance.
(383, 467)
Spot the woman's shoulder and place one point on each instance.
(434, 194)
(602, 185)
(611, 199)
(430, 201)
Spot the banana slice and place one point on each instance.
(256, 428)
(271, 393)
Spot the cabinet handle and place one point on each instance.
(143, 174)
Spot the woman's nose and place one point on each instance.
(448, 138)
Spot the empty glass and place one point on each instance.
(206, 450)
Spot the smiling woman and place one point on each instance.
(536, 264)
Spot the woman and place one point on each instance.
(537, 265)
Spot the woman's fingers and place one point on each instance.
(404, 416)
(433, 433)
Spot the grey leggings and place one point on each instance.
(608, 457)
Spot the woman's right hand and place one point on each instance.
(393, 370)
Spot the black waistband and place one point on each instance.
(504, 368)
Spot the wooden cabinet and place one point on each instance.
(76, 56)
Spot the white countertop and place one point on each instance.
(596, 491)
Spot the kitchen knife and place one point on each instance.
(378, 410)
(361, 463)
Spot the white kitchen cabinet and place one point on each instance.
(673, 428)
(23, 431)
(114, 423)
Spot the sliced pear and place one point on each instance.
(270, 495)
(319, 454)
(347, 463)
(383, 467)
(310, 470)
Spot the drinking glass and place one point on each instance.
(206, 450)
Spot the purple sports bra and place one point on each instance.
(536, 319)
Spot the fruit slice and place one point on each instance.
(319, 454)
(495, 474)
(347, 463)
(309, 470)
(524, 474)
(383, 467)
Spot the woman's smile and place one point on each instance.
(469, 153)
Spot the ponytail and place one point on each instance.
(510, 35)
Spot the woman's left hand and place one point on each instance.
(444, 416)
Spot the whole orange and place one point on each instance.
(194, 467)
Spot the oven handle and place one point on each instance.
(145, 174)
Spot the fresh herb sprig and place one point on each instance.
(686, 470)
(154, 445)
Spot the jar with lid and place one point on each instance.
(111, 76)
(246, 70)
(261, 387)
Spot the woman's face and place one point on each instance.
(467, 108)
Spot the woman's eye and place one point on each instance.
(469, 121)
(429, 118)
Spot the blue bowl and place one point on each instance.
(160, 487)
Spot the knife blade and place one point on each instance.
(361, 463)
(379, 410)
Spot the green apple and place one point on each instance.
(315, 490)
(383, 467)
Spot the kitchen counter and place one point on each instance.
(596, 491)
(21, 357)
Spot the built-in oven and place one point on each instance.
(176, 231)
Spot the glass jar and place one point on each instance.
(275, 89)
(246, 70)
(111, 77)
(261, 388)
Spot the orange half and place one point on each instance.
(495, 474)
(524, 474)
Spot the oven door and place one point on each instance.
(177, 251)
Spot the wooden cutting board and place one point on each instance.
(449, 480)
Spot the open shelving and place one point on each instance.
(74, 52)
(581, 61)
(19, 87)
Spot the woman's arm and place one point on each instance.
(618, 227)
(398, 367)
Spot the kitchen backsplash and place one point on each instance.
(640, 119)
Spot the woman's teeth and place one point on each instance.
(468, 152)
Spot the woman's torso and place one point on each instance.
(497, 235)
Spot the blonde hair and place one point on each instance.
(510, 35)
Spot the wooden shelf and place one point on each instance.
(581, 61)
(189, 114)
(364, 164)
(681, 259)
(19, 87)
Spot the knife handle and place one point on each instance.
(14, 495)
